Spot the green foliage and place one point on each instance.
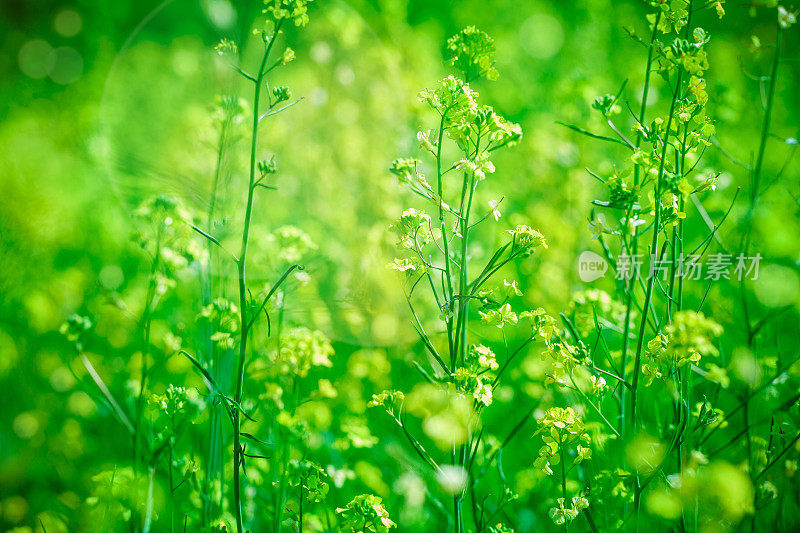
(472, 51)
(295, 10)
(365, 514)
(197, 331)
(309, 477)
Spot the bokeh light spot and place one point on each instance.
(81, 404)
(345, 75)
(111, 276)
(220, 12)
(541, 36)
(776, 286)
(321, 52)
(14, 509)
(318, 96)
(185, 63)
(26, 425)
(68, 65)
(61, 379)
(68, 23)
(36, 59)
(385, 327)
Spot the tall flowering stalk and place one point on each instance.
(278, 13)
(664, 342)
(437, 257)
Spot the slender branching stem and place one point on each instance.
(651, 280)
(629, 289)
(238, 452)
(653, 248)
(445, 241)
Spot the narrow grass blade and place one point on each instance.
(107, 393)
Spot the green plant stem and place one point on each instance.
(148, 514)
(653, 248)
(629, 292)
(593, 406)
(285, 450)
(754, 196)
(757, 172)
(762, 147)
(778, 457)
(463, 318)
(445, 244)
(300, 525)
(214, 450)
(171, 491)
(650, 281)
(238, 455)
(563, 480)
(145, 325)
(457, 519)
(217, 174)
(463, 281)
(685, 374)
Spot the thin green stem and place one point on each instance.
(145, 323)
(754, 197)
(463, 281)
(563, 480)
(778, 457)
(214, 452)
(653, 248)
(650, 283)
(629, 290)
(300, 524)
(445, 243)
(762, 147)
(171, 492)
(238, 453)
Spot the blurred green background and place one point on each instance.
(103, 104)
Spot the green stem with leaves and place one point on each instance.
(755, 194)
(445, 240)
(630, 290)
(651, 280)
(214, 451)
(563, 478)
(145, 323)
(238, 452)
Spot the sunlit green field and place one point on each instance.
(399, 265)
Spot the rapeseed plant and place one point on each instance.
(661, 342)
(461, 374)
(635, 388)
